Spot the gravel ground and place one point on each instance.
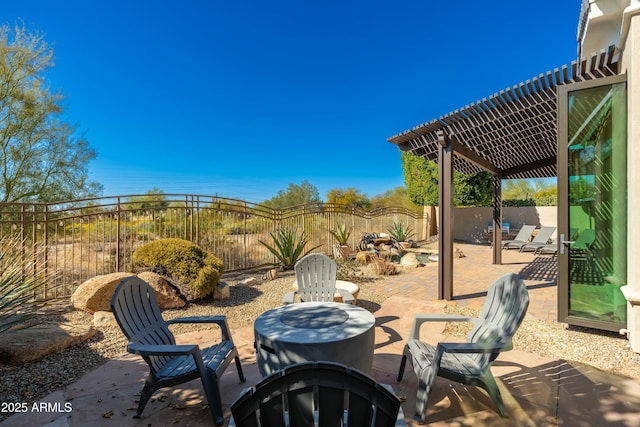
(29, 382)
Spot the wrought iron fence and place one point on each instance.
(90, 237)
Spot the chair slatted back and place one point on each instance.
(544, 234)
(503, 311)
(316, 393)
(316, 277)
(525, 233)
(136, 310)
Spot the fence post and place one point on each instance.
(118, 232)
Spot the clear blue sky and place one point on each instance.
(241, 98)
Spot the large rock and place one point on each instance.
(95, 294)
(222, 291)
(409, 260)
(25, 345)
(104, 319)
(166, 294)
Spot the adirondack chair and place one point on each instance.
(317, 394)
(469, 362)
(316, 278)
(136, 310)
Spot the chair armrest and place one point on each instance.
(163, 349)
(347, 297)
(288, 298)
(198, 319)
(423, 318)
(467, 347)
(221, 321)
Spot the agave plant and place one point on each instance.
(18, 284)
(400, 232)
(341, 234)
(288, 247)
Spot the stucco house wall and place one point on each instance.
(470, 224)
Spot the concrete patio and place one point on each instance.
(537, 391)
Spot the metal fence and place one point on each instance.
(90, 237)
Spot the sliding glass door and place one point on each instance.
(592, 203)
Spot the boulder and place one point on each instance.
(95, 294)
(166, 294)
(103, 319)
(25, 345)
(222, 291)
(409, 260)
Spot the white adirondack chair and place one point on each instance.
(316, 278)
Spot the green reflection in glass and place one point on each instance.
(597, 203)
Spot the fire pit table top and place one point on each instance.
(307, 331)
(313, 322)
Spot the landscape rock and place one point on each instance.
(365, 257)
(249, 281)
(166, 294)
(103, 319)
(222, 291)
(28, 344)
(409, 260)
(95, 294)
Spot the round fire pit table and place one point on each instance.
(314, 331)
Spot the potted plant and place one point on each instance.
(342, 249)
(401, 234)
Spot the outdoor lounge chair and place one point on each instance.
(523, 236)
(470, 362)
(542, 238)
(136, 310)
(549, 248)
(316, 278)
(317, 394)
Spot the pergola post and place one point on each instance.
(445, 207)
(497, 219)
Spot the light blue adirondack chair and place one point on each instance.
(469, 362)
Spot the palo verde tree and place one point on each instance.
(350, 197)
(42, 157)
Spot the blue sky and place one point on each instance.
(241, 98)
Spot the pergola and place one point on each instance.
(512, 134)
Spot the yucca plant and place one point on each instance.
(288, 247)
(19, 281)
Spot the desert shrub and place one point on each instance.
(183, 261)
(383, 267)
(349, 270)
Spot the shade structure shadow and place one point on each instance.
(541, 393)
(540, 268)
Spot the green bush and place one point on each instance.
(182, 260)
